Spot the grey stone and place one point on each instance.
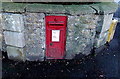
(1, 30)
(80, 34)
(106, 22)
(105, 7)
(4, 45)
(59, 1)
(73, 9)
(13, 22)
(35, 36)
(102, 40)
(79, 9)
(14, 39)
(15, 53)
(13, 7)
(102, 29)
(1, 39)
(45, 8)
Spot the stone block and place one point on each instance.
(102, 29)
(81, 31)
(105, 7)
(35, 44)
(13, 7)
(14, 39)
(1, 39)
(102, 39)
(1, 30)
(106, 22)
(15, 53)
(34, 18)
(79, 9)
(13, 22)
(45, 8)
(35, 36)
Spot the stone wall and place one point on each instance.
(13, 26)
(24, 28)
(80, 34)
(35, 36)
(25, 34)
(102, 29)
(1, 35)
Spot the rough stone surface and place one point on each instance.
(58, 1)
(1, 35)
(105, 8)
(106, 22)
(100, 8)
(102, 39)
(46, 8)
(35, 36)
(102, 29)
(79, 9)
(16, 53)
(13, 22)
(13, 7)
(14, 39)
(2, 40)
(80, 34)
(24, 33)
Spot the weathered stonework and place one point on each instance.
(80, 34)
(14, 39)
(13, 31)
(16, 53)
(102, 30)
(13, 22)
(1, 35)
(35, 36)
(24, 28)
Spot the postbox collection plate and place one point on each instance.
(55, 36)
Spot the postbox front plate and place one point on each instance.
(55, 36)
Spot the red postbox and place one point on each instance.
(55, 36)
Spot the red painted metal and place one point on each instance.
(55, 36)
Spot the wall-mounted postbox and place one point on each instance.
(55, 36)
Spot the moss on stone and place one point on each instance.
(49, 8)
(76, 9)
(79, 9)
(13, 7)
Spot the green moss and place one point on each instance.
(51, 8)
(76, 9)
(79, 9)
(13, 7)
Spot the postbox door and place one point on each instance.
(55, 36)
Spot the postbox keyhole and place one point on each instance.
(51, 44)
